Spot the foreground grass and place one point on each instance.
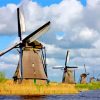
(29, 88)
(89, 86)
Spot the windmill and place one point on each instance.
(32, 55)
(84, 76)
(98, 78)
(68, 71)
(92, 79)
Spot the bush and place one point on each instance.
(2, 77)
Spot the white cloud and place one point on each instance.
(51, 61)
(88, 34)
(93, 3)
(8, 19)
(4, 66)
(10, 59)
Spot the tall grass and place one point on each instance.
(29, 88)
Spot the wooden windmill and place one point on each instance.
(92, 79)
(84, 76)
(69, 72)
(32, 55)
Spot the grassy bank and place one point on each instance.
(29, 88)
(89, 86)
(8, 87)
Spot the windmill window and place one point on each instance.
(32, 64)
(34, 72)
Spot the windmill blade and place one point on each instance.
(87, 73)
(85, 68)
(21, 28)
(45, 56)
(21, 23)
(66, 62)
(67, 58)
(71, 67)
(57, 67)
(36, 34)
(19, 15)
(10, 48)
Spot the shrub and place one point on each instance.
(2, 77)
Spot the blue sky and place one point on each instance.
(41, 2)
(4, 2)
(84, 2)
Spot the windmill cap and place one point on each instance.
(68, 50)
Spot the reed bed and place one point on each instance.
(29, 88)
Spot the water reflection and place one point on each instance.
(32, 97)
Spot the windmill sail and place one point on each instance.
(21, 21)
(72, 67)
(85, 68)
(61, 67)
(67, 58)
(10, 48)
(36, 34)
(27, 38)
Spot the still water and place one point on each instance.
(90, 95)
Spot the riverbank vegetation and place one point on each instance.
(88, 86)
(29, 88)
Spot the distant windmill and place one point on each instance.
(98, 78)
(84, 76)
(68, 74)
(92, 79)
(31, 64)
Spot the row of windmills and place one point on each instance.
(85, 75)
(32, 57)
(69, 73)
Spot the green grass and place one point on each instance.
(2, 77)
(89, 86)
